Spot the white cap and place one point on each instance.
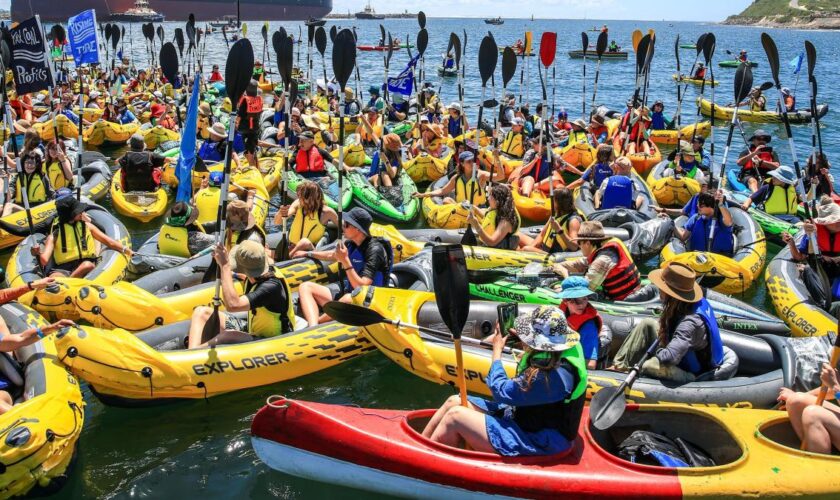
(158, 94)
(94, 94)
(519, 121)
(456, 106)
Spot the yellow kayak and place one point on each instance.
(427, 168)
(672, 137)
(157, 135)
(694, 81)
(66, 128)
(671, 191)
(725, 113)
(143, 206)
(102, 133)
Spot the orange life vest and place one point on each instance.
(623, 279)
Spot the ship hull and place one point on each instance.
(176, 10)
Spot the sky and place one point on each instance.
(653, 10)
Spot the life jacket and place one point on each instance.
(623, 279)
(469, 190)
(211, 151)
(207, 204)
(599, 133)
(453, 127)
(253, 112)
(578, 137)
(514, 144)
(365, 135)
(488, 223)
(723, 243)
(552, 241)
(73, 242)
(618, 193)
(55, 175)
(357, 260)
(563, 416)
(758, 104)
(36, 188)
(790, 103)
(174, 240)
(689, 171)
(307, 226)
(828, 242)
(265, 323)
(781, 200)
(137, 170)
(576, 321)
(600, 172)
(309, 161)
(240, 236)
(711, 356)
(638, 129)
(657, 121)
(700, 74)
(321, 102)
(751, 165)
(168, 123)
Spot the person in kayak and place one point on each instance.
(248, 120)
(777, 197)
(58, 169)
(689, 340)
(308, 162)
(757, 160)
(635, 123)
(598, 131)
(755, 100)
(700, 72)
(595, 175)
(577, 135)
(819, 173)
(613, 47)
(215, 75)
(469, 184)
(140, 169)
(455, 122)
(508, 111)
(683, 163)
(496, 227)
(388, 171)
(266, 299)
(537, 412)
(562, 123)
(376, 102)
(513, 145)
(213, 149)
(310, 217)
(789, 100)
(364, 261)
(703, 157)
(582, 316)
(817, 427)
(207, 198)
(559, 234)
(180, 235)
(241, 224)
(658, 120)
(371, 130)
(697, 228)
(535, 169)
(619, 190)
(33, 181)
(606, 263)
(742, 56)
(71, 248)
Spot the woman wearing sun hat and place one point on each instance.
(535, 413)
(778, 196)
(213, 149)
(581, 316)
(689, 339)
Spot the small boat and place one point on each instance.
(140, 13)
(694, 81)
(688, 46)
(578, 54)
(382, 48)
(228, 22)
(315, 22)
(725, 113)
(447, 72)
(497, 21)
(735, 63)
(519, 51)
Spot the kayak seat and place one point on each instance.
(13, 372)
(725, 371)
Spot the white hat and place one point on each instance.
(321, 84)
(158, 94)
(456, 106)
(519, 121)
(94, 94)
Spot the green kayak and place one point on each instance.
(383, 206)
(773, 226)
(329, 185)
(735, 64)
(688, 46)
(401, 129)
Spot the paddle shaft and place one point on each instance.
(630, 380)
(721, 176)
(462, 380)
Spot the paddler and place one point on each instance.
(658, 120)
(755, 100)
(560, 233)
(757, 160)
(364, 260)
(635, 123)
(376, 102)
(577, 135)
(249, 120)
(398, 109)
(613, 47)
(181, 235)
(141, 169)
(496, 227)
(537, 412)
(619, 190)
(513, 144)
(58, 168)
(598, 172)
(310, 217)
(387, 172)
(371, 127)
(216, 75)
(582, 316)
(683, 163)
(266, 299)
(742, 56)
(308, 161)
(703, 156)
(562, 124)
(700, 72)
(789, 99)
(598, 130)
(138, 86)
(817, 427)
(455, 123)
(696, 229)
(241, 224)
(536, 169)
(213, 149)
(33, 180)
(819, 172)
(778, 196)
(469, 184)
(689, 340)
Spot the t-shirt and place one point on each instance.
(270, 294)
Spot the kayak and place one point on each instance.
(672, 137)
(328, 183)
(158, 135)
(487, 159)
(66, 128)
(103, 133)
(383, 451)
(447, 72)
(736, 63)
(427, 168)
(441, 215)
(614, 217)
(792, 299)
(725, 113)
(688, 46)
(608, 55)
(516, 52)
(694, 81)
(772, 226)
(642, 162)
(671, 191)
(394, 204)
(483, 138)
(535, 207)
(725, 274)
(753, 370)
(140, 205)
(579, 154)
(43, 427)
(383, 48)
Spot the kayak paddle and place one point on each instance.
(421, 19)
(636, 39)
(679, 77)
(343, 62)
(508, 71)
(452, 294)
(238, 68)
(284, 51)
(709, 43)
(641, 57)
(169, 66)
(816, 136)
(600, 48)
(607, 406)
(548, 51)
(584, 41)
(321, 45)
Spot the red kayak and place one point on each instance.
(381, 48)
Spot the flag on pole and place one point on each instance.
(84, 43)
(796, 63)
(30, 58)
(186, 160)
(404, 82)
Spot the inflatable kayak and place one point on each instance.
(694, 81)
(642, 162)
(102, 133)
(772, 226)
(157, 135)
(441, 215)
(427, 168)
(66, 128)
(42, 428)
(672, 137)
(328, 183)
(614, 217)
(141, 205)
(725, 113)
(753, 370)
(735, 63)
(536, 207)
(725, 274)
(590, 54)
(671, 191)
(447, 72)
(394, 204)
(383, 48)
(383, 451)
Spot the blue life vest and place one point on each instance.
(657, 121)
(723, 242)
(601, 171)
(835, 288)
(714, 348)
(691, 207)
(209, 151)
(450, 63)
(357, 260)
(453, 126)
(279, 117)
(618, 193)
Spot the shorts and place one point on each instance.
(67, 268)
(250, 137)
(236, 323)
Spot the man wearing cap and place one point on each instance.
(826, 227)
(375, 101)
(308, 162)
(619, 190)
(181, 235)
(364, 261)
(248, 120)
(469, 184)
(513, 144)
(140, 168)
(683, 163)
(535, 413)
(213, 149)
(455, 122)
(757, 160)
(697, 228)
(755, 100)
(581, 316)
(777, 197)
(606, 263)
(266, 298)
(70, 248)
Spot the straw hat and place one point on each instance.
(591, 231)
(678, 281)
(546, 330)
(217, 131)
(392, 142)
(239, 215)
(204, 109)
(579, 123)
(828, 211)
(312, 121)
(249, 259)
(686, 148)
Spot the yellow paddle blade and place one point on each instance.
(637, 37)
(528, 42)
(652, 32)
(245, 29)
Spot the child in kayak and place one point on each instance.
(581, 316)
(310, 218)
(496, 226)
(595, 175)
(560, 232)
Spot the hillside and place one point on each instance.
(808, 14)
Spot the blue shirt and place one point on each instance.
(705, 160)
(690, 208)
(71, 115)
(127, 117)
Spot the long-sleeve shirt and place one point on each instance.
(690, 334)
(596, 271)
(547, 387)
(9, 294)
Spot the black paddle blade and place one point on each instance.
(488, 57)
(606, 408)
(465, 42)
(333, 33)
(344, 56)
(381, 35)
(743, 82)
(677, 51)
(5, 52)
(811, 55)
(160, 33)
(213, 327)
(238, 69)
(601, 44)
(421, 19)
(321, 39)
(107, 32)
(584, 42)
(455, 43)
(179, 40)
(641, 53)
(709, 48)
(390, 50)
(58, 33)
(115, 36)
(265, 32)
(169, 62)
(310, 33)
(422, 41)
(452, 289)
(287, 51)
(352, 314)
(772, 56)
(508, 65)
(148, 31)
(469, 238)
(190, 29)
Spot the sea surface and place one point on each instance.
(202, 448)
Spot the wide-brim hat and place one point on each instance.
(546, 330)
(204, 109)
(249, 259)
(238, 209)
(591, 231)
(217, 131)
(181, 219)
(783, 174)
(677, 280)
(760, 133)
(575, 287)
(686, 148)
(580, 123)
(311, 121)
(828, 212)
(68, 207)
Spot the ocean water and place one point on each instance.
(202, 448)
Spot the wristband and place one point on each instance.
(39, 332)
(346, 269)
(29, 285)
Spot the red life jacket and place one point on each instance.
(623, 279)
(253, 111)
(763, 156)
(635, 132)
(828, 242)
(700, 74)
(576, 321)
(309, 161)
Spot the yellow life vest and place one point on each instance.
(469, 191)
(237, 235)
(306, 226)
(364, 134)
(207, 204)
(55, 174)
(36, 192)
(578, 137)
(488, 223)
(782, 201)
(552, 239)
(265, 323)
(322, 103)
(73, 242)
(513, 145)
(174, 240)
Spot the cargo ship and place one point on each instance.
(176, 10)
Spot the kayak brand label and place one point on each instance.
(249, 363)
(451, 370)
(800, 322)
(499, 292)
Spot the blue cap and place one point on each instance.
(466, 156)
(575, 287)
(63, 192)
(216, 178)
(562, 114)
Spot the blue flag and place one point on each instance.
(796, 63)
(404, 82)
(186, 160)
(81, 32)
